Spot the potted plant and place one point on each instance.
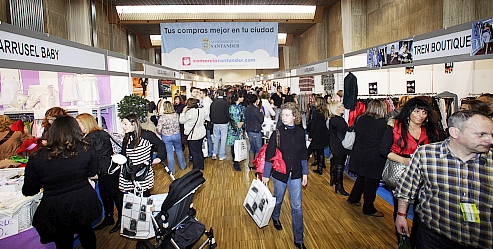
(133, 104)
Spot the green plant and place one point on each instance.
(133, 104)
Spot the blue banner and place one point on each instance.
(219, 45)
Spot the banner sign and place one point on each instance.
(391, 54)
(219, 45)
(26, 49)
(159, 72)
(482, 37)
(313, 69)
(457, 43)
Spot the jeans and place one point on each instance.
(220, 132)
(209, 142)
(255, 139)
(294, 186)
(195, 149)
(429, 239)
(174, 141)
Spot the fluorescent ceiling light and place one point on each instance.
(215, 9)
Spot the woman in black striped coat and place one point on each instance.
(137, 146)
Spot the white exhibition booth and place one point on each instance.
(470, 75)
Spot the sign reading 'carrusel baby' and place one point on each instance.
(16, 47)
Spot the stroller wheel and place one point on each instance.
(144, 244)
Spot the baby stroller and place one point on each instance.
(175, 225)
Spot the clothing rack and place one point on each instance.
(395, 94)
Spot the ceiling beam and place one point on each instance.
(212, 20)
(319, 14)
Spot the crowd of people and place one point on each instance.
(448, 176)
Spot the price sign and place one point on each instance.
(39, 113)
(9, 226)
(84, 109)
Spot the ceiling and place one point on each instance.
(294, 26)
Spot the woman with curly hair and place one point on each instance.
(69, 202)
(50, 116)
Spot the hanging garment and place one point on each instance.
(70, 90)
(350, 91)
(88, 88)
(306, 84)
(9, 88)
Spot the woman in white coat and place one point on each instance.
(193, 119)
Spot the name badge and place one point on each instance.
(470, 212)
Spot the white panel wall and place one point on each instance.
(365, 77)
(483, 77)
(120, 88)
(398, 80)
(458, 82)
(234, 76)
(294, 83)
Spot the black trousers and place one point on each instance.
(86, 236)
(368, 188)
(428, 239)
(195, 149)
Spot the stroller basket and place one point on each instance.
(176, 225)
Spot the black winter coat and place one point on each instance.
(100, 140)
(366, 159)
(337, 131)
(317, 131)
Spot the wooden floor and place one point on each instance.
(330, 222)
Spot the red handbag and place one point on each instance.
(277, 163)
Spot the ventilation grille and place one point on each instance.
(27, 14)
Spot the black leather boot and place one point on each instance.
(119, 206)
(315, 156)
(339, 182)
(320, 165)
(332, 173)
(108, 211)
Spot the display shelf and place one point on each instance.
(97, 110)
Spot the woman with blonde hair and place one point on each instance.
(337, 130)
(168, 127)
(318, 133)
(108, 184)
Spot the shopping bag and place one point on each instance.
(259, 203)
(205, 149)
(241, 151)
(136, 217)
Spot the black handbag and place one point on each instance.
(131, 172)
(209, 125)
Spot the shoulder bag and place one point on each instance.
(4, 139)
(392, 172)
(193, 128)
(350, 137)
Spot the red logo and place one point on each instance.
(186, 61)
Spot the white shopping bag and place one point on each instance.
(241, 151)
(136, 218)
(259, 203)
(205, 149)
